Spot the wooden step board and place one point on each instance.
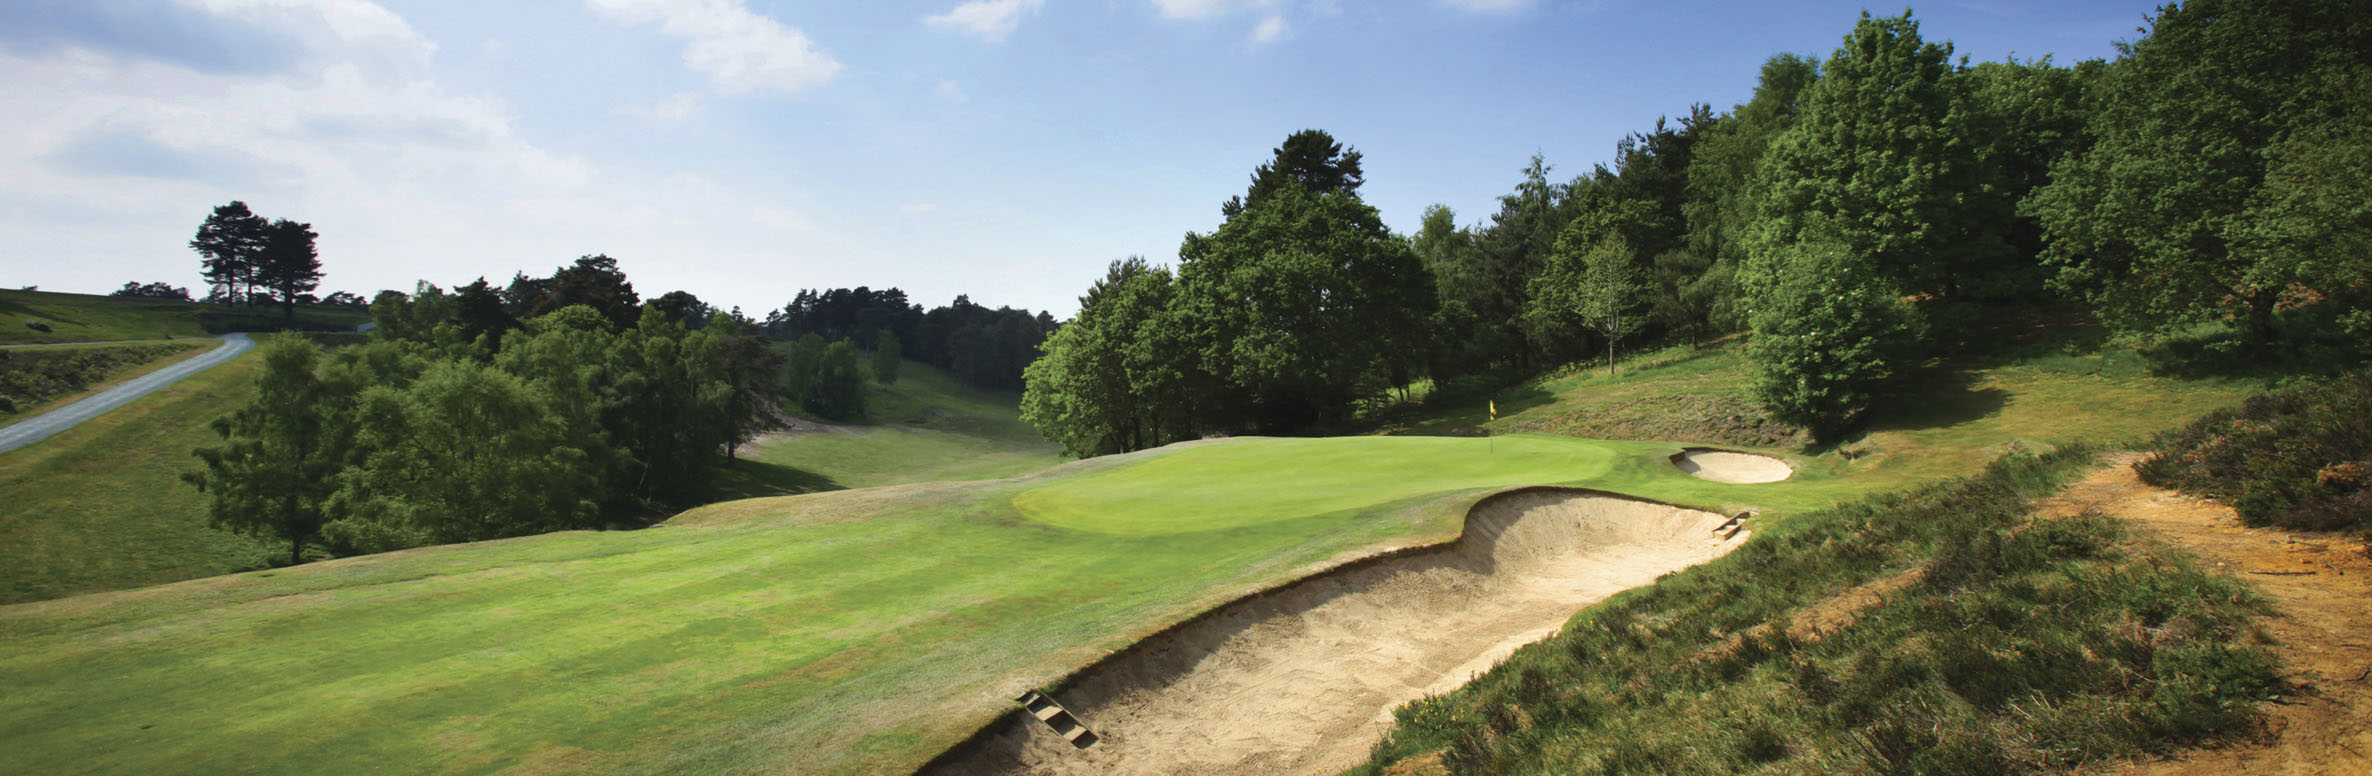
(1057, 718)
(1732, 526)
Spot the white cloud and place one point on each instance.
(1205, 9)
(947, 90)
(990, 20)
(1491, 6)
(739, 50)
(918, 208)
(684, 106)
(1270, 30)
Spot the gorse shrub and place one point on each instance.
(2298, 458)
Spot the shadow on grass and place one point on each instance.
(745, 478)
(1936, 397)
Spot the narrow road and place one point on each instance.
(40, 427)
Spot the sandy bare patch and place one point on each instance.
(1303, 678)
(1731, 467)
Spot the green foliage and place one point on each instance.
(2214, 134)
(465, 452)
(1879, 162)
(886, 360)
(2029, 645)
(274, 472)
(230, 244)
(1119, 377)
(825, 379)
(2299, 458)
(1595, 280)
(1300, 305)
(1827, 333)
(1309, 160)
(287, 265)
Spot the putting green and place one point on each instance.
(1227, 486)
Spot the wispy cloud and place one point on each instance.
(1270, 30)
(741, 51)
(989, 20)
(1205, 9)
(684, 106)
(947, 90)
(1491, 6)
(918, 208)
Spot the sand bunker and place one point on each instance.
(1726, 466)
(1303, 678)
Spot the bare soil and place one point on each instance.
(1303, 678)
(2321, 588)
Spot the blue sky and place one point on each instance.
(744, 149)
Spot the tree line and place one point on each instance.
(557, 402)
(1857, 214)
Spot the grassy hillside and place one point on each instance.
(857, 631)
(101, 506)
(926, 428)
(1945, 419)
(93, 318)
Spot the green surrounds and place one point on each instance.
(2025, 645)
(844, 632)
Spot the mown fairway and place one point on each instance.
(857, 631)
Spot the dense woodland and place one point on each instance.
(1858, 215)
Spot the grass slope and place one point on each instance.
(92, 318)
(101, 506)
(857, 631)
(926, 428)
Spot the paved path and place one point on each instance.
(40, 427)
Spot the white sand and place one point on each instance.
(1726, 466)
(1303, 679)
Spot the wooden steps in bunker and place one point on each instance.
(1057, 718)
(1730, 528)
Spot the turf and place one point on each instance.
(857, 631)
(92, 318)
(101, 506)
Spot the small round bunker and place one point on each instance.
(1731, 466)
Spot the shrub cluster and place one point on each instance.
(2025, 645)
(2297, 458)
(32, 376)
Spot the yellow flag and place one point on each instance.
(1494, 409)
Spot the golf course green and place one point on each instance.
(846, 632)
